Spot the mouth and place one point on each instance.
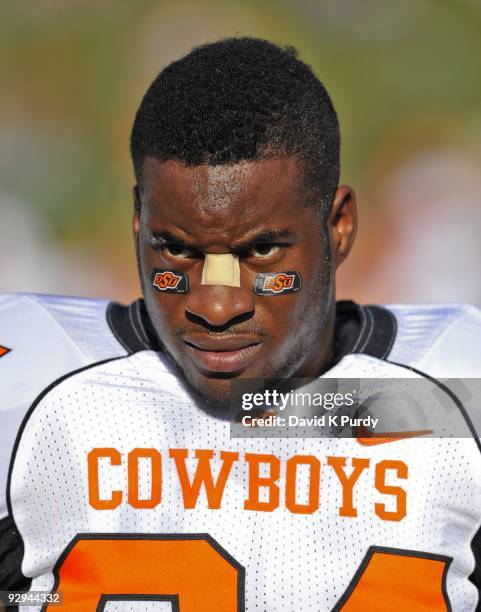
(222, 355)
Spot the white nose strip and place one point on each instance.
(221, 269)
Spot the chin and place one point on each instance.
(213, 396)
(215, 388)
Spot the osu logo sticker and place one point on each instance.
(164, 280)
(279, 283)
(168, 281)
(275, 283)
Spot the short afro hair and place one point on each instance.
(240, 99)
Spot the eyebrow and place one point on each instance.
(165, 237)
(269, 236)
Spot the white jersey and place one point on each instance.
(43, 338)
(119, 477)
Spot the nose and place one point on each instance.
(218, 305)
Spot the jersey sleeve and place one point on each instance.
(42, 338)
(441, 340)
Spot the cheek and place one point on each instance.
(166, 313)
(164, 310)
(298, 316)
(282, 316)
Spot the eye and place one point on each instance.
(263, 250)
(177, 251)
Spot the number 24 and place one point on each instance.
(193, 572)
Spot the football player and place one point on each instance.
(123, 487)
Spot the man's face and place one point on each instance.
(256, 210)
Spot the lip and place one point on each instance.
(222, 355)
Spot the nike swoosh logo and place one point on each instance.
(366, 437)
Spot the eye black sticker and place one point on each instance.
(169, 282)
(277, 283)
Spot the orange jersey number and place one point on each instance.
(193, 572)
(190, 570)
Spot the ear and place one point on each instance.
(136, 212)
(342, 223)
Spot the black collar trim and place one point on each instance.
(370, 330)
(379, 332)
(130, 325)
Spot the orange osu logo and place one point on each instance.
(278, 283)
(166, 280)
(4, 350)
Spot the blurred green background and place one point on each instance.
(405, 78)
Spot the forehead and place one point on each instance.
(225, 200)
